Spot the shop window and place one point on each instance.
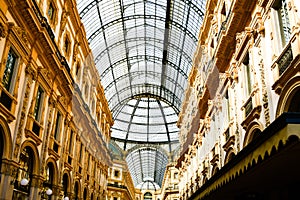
(48, 184)
(24, 175)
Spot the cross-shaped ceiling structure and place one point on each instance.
(143, 50)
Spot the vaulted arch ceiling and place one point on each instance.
(143, 50)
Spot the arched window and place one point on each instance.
(255, 134)
(65, 184)
(76, 191)
(84, 194)
(49, 179)
(294, 104)
(147, 196)
(92, 196)
(229, 155)
(24, 175)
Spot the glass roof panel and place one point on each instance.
(143, 50)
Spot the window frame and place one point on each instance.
(13, 77)
(278, 25)
(37, 111)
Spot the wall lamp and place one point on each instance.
(23, 182)
(46, 190)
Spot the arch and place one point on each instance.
(25, 171)
(289, 91)
(147, 196)
(52, 161)
(36, 159)
(50, 174)
(204, 180)
(92, 196)
(85, 194)
(229, 155)
(5, 136)
(215, 169)
(66, 182)
(77, 190)
(252, 131)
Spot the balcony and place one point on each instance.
(285, 67)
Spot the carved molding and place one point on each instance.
(64, 17)
(22, 117)
(3, 30)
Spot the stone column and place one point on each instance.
(9, 170)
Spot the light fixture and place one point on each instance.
(66, 198)
(48, 191)
(24, 182)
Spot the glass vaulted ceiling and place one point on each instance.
(143, 50)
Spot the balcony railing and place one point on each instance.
(117, 185)
(285, 60)
(44, 23)
(248, 107)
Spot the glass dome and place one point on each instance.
(145, 120)
(143, 50)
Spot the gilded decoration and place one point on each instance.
(64, 18)
(23, 35)
(3, 31)
(23, 117)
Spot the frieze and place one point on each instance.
(47, 75)
(23, 35)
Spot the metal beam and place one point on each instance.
(130, 122)
(166, 124)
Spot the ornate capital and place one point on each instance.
(29, 70)
(3, 30)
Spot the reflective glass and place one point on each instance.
(143, 55)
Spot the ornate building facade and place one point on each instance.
(239, 122)
(240, 118)
(54, 119)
